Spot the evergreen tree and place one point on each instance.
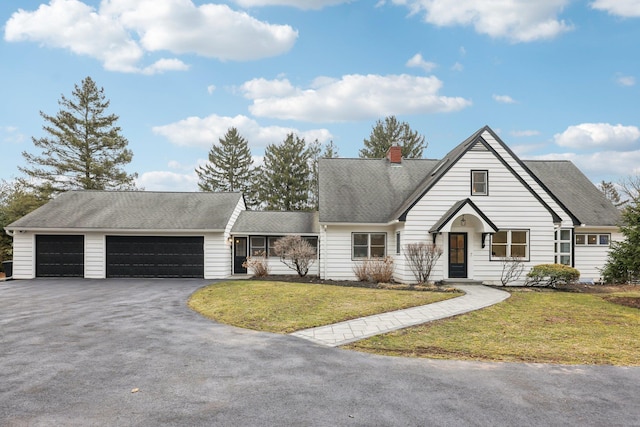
(16, 200)
(230, 165)
(84, 149)
(391, 132)
(283, 182)
(330, 151)
(623, 263)
(610, 192)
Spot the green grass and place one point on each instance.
(545, 327)
(284, 307)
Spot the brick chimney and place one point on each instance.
(395, 154)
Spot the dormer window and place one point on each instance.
(479, 183)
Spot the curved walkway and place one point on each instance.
(475, 298)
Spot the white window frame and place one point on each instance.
(560, 253)
(508, 244)
(586, 239)
(485, 175)
(368, 245)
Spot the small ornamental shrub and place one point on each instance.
(379, 270)
(512, 269)
(552, 275)
(296, 253)
(259, 265)
(421, 257)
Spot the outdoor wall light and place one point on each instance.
(463, 221)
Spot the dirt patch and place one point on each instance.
(633, 302)
(598, 289)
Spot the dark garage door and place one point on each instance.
(59, 256)
(154, 256)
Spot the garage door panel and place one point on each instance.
(59, 256)
(155, 256)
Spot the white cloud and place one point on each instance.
(457, 67)
(503, 99)
(211, 89)
(602, 163)
(353, 97)
(625, 80)
(122, 32)
(598, 135)
(168, 181)
(203, 132)
(11, 135)
(517, 20)
(624, 8)
(524, 133)
(300, 4)
(419, 62)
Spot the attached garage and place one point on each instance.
(155, 256)
(59, 256)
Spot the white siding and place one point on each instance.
(509, 205)
(24, 253)
(590, 259)
(95, 256)
(217, 256)
(337, 256)
(277, 267)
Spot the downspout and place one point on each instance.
(324, 258)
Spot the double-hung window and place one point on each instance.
(369, 245)
(479, 183)
(258, 246)
(510, 244)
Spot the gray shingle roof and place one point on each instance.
(575, 191)
(367, 190)
(375, 191)
(133, 210)
(272, 222)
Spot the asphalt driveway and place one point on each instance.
(72, 351)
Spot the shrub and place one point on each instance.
(422, 257)
(296, 253)
(551, 275)
(258, 264)
(376, 269)
(512, 269)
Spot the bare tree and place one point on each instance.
(512, 269)
(422, 257)
(296, 253)
(630, 187)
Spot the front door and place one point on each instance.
(458, 255)
(239, 255)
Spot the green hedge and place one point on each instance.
(551, 275)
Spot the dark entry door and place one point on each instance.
(59, 256)
(458, 255)
(155, 256)
(239, 255)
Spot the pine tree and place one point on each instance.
(283, 182)
(610, 192)
(330, 151)
(84, 149)
(623, 263)
(230, 165)
(391, 132)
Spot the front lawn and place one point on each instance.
(545, 327)
(285, 307)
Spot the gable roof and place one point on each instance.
(273, 222)
(452, 158)
(366, 190)
(375, 191)
(576, 191)
(133, 210)
(453, 210)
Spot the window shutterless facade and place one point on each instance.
(368, 245)
(593, 239)
(266, 244)
(479, 183)
(510, 244)
(563, 250)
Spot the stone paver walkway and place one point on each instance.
(475, 298)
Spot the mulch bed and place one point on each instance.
(603, 290)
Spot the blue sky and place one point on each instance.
(556, 79)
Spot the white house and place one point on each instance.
(479, 203)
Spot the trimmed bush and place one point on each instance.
(551, 275)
